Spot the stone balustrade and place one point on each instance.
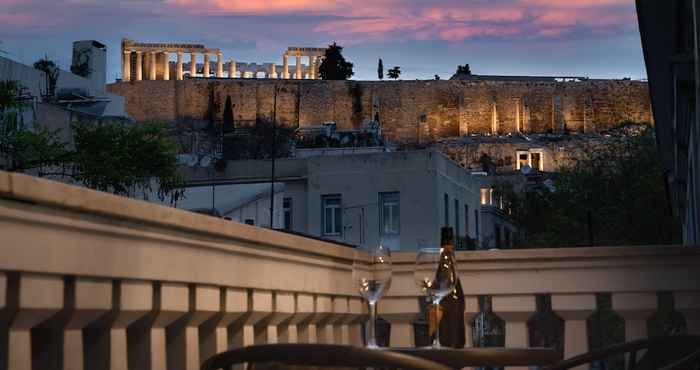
(93, 281)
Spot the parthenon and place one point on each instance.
(152, 61)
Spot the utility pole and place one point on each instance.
(274, 149)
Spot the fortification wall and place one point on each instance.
(407, 110)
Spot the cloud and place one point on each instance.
(355, 21)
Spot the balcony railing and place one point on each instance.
(93, 281)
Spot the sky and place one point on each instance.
(594, 38)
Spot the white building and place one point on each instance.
(76, 95)
(399, 198)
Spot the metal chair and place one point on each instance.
(318, 355)
(663, 353)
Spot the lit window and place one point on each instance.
(390, 213)
(332, 215)
(537, 160)
(485, 196)
(287, 206)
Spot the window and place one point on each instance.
(446, 206)
(249, 221)
(332, 217)
(486, 196)
(523, 160)
(389, 213)
(532, 157)
(458, 232)
(287, 207)
(536, 160)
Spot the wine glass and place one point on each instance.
(436, 276)
(372, 273)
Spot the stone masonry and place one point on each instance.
(408, 111)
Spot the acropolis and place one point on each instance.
(152, 61)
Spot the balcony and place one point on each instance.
(93, 281)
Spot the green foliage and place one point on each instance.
(380, 69)
(394, 73)
(614, 194)
(258, 142)
(437, 77)
(9, 96)
(121, 158)
(51, 70)
(334, 66)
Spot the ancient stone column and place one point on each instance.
(297, 70)
(206, 66)
(152, 66)
(126, 66)
(312, 67)
(231, 68)
(178, 69)
(193, 64)
(285, 66)
(273, 70)
(166, 66)
(139, 66)
(219, 65)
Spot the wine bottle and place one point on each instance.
(450, 314)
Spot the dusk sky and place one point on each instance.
(595, 38)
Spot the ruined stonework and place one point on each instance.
(408, 110)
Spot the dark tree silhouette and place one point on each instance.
(380, 69)
(464, 70)
(437, 77)
(394, 73)
(228, 114)
(51, 70)
(334, 66)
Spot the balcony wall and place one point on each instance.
(93, 281)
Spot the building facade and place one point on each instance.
(669, 33)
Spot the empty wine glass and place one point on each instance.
(436, 276)
(372, 274)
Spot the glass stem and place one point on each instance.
(436, 340)
(372, 325)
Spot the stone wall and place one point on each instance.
(407, 110)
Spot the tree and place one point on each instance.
(380, 69)
(437, 77)
(334, 66)
(464, 70)
(115, 157)
(228, 114)
(51, 71)
(394, 73)
(123, 158)
(613, 194)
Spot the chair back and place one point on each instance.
(318, 355)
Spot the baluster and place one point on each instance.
(214, 332)
(131, 300)
(515, 311)
(635, 308)
(358, 316)
(288, 330)
(324, 319)
(471, 309)
(341, 315)
(259, 307)
(92, 299)
(183, 334)
(305, 319)
(400, 312)
(146, 337)
(688, 303)
(32, 299)
(574, 309)
(282, 309)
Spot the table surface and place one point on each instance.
(491, 356)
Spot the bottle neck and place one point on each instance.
(448, 247)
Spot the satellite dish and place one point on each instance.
(526, 169)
